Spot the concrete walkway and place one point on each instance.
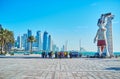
(76, 68)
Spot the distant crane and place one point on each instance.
(66, 43)
(80, 45)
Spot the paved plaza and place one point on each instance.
(75, 68)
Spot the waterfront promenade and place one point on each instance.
(75, 68)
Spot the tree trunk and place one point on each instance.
(31, 47)
(2, 49)
(5, 48)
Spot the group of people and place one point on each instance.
(61, 54)
(45, 55)
(57, 54)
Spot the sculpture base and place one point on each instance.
(103, 55)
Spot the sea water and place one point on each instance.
(93, 53)
(83, 53)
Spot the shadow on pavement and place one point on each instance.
(113, 68)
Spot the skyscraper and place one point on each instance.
(29, 34)
(38, 40)
(63, 48)
(1, 27)
(19, 45)
(49, 43)
(24, 41)
(66, 43)
(55, 48)
(45, 41)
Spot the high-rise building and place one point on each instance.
(38, 43)
(45, 41)
(55, 48)
(29, 34)
(65, 48)
(1, 27)
(19, 45)
(49, 43)
(15, 44)
(24, 42)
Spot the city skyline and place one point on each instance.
(21, 43)
(43, 42)
(65, 20)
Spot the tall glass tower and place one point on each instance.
(29, 34)
(19, 42)
(49, 43)
(24, 41)
(0, 27)
(45, 41)
(38, 40)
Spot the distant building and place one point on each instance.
(63, 48)
(38, 42)
(15, 44)
(1, 27)
(29, 34)
(19, 43)
(49, 43)
(24, 42)
(45, 38)
(55, 48)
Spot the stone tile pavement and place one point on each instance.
(76, 68)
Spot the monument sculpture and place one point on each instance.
(104, 35)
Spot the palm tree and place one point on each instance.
(6, 39)
(31, 39)
(9, 40)
(2, 39)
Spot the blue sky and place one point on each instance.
(70, 20)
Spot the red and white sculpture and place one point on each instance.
(104, 35)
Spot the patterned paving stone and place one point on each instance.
(76, 68)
